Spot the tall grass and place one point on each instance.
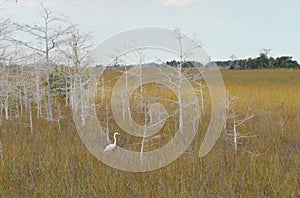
(55, 163)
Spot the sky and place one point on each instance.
(226, 27)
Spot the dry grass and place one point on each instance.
(54, 163)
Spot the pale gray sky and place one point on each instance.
(226, 27)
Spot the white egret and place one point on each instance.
(112, 146)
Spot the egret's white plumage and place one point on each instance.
(112, 146)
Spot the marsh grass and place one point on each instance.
(55, 163)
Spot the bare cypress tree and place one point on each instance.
(48, 36)
(234, 120)
(3, 32)
(179, 70)
(78, 51)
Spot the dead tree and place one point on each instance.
(266, 51)
(179, 72)
(234, 120)
(78, 50)
(47, 36)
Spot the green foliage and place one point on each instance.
(185, 64)
(261, 62)
(61, 79)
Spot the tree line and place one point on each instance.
(260, 62)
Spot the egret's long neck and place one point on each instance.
(115, 139)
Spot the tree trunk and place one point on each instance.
(49, 102)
